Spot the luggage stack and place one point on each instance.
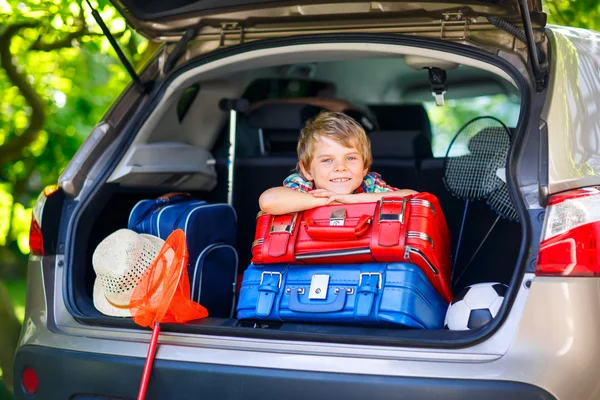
(383, 263)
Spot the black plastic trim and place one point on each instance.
(140, 86)
(66, 374)
(50, 223)
(424, 338)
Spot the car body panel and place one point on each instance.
(572, 110)
(547, 333)
(209, 381)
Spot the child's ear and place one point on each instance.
(305, 172)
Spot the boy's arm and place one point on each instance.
(283, 200)
(367, 197)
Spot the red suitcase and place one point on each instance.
(394, 229)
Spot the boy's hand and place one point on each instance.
(333, 198)
(322, 193)
(344, 198)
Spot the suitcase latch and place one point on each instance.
(318, 287)
(338, 216)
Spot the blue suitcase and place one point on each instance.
(371, 294)
(205, 225)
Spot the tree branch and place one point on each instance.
(13, 29)
(67, 40)
(557, 13)
(13, 148)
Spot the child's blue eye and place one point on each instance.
(326, 160)
(351, 158)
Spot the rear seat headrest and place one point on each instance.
(406, 117)
(399, 144)
(292, 114)
(405, 132)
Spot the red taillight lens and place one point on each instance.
(30, 382)
(36, 241)
(571, 234)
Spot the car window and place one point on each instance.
(446, 121)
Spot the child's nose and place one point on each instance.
(340, 165)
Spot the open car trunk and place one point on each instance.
(491, 255)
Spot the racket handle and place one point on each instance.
(149, 361)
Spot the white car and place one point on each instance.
(400, 61)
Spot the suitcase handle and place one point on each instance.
(335, 233)
(294, 304)
(160, 202)
(170, 196)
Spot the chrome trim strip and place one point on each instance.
(420, 235)
(335, 253)
(424, 203)
(408, 249)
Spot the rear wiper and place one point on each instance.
(141, 87)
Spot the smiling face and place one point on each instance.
(335, 167)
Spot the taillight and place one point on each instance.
(36, 239)
(571, 234)
(30, 381)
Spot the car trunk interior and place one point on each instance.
(396, 94)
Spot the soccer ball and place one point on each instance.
(475, 306)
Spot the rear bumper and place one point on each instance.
(66, 374)
(549, 335)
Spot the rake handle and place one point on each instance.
(149, 361)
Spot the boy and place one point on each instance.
(334, 157)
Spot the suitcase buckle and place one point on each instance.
(392, 217)
(262, 277)
(369, 274)
(285, 228)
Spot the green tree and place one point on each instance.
(579, 13)
(58, 75)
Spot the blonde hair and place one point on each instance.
(336, 126)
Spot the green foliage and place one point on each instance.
(447, 120)
(577, 13)
(71, 67)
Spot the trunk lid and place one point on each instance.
(168, 21)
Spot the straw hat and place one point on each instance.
(119, 262)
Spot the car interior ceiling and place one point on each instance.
(401, 146)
